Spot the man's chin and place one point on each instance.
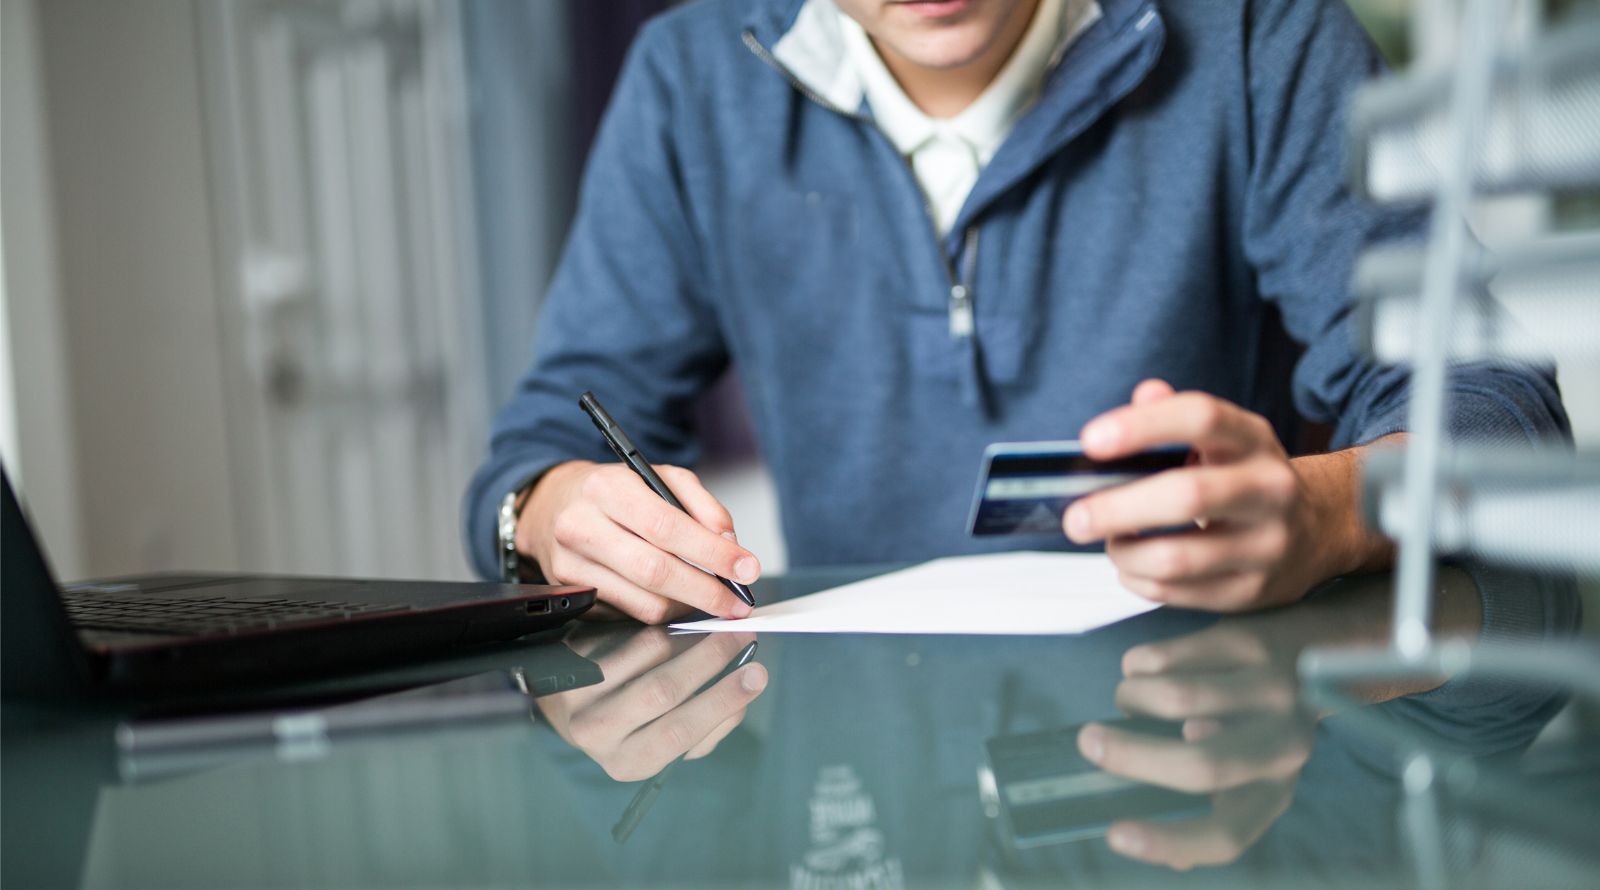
(942, 51)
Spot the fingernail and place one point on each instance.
(1126, 840)
(1078, 522)
(746, 570)
(741, 610)
(754, 679)
(731, 536)
(1092, 742)
(1100, 435)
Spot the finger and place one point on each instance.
(621, 656)
(668, 685)
(604, 613)
(1181, 696)
(1220, 429)
(1201, 555)
(684, 727)
(1214, 839)
(620, 593)
(1201, 728)
(684, 534)
(1223, 645)
(1224, 593)
(620, 663)
(1151, 390)
(636, 653)
(700, 502)
(1259, 748)
(710, 742)
(649, 568)
(1244, 490)
(637, 509)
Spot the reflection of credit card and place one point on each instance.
(1024, 487)
(1045, 792)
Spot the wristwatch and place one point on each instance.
(510, 560)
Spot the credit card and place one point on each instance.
(1024, 488)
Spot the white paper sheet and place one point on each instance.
(1002, 593)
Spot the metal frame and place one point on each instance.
(1452, 265)
(1442, 278)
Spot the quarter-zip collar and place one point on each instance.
(1108, 61)
(1090, 73)
(813, 46)
(813, 49)
(948, 153)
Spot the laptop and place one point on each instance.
(185, 633)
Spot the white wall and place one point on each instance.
(1580, 391)
(112, 235)
(8, 392)
(40, 453)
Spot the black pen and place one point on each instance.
(629, 454)
(646, 796)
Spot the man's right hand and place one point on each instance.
(600, 526)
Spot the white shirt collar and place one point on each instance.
(832, 57)
(984, 124)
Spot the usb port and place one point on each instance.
(538, 607)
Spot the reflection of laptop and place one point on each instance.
(57, 771)
(198, 633)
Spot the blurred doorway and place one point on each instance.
(352, 318)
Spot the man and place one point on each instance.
(921, 227)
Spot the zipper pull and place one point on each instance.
(961, 319)
(960, 311)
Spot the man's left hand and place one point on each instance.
(1265, 528)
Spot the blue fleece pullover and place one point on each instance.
(1173, 206)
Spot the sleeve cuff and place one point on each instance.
(1477, 413)
(483, 506)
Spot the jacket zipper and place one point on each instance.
(962, 318)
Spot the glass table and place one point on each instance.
(878, 761)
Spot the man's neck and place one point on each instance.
(946, 92)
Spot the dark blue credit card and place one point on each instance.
(1024, 488)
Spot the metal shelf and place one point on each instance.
(1495, 118)
(1537, 510)
(1541, 125)
(1534, 302)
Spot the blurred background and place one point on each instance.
(270, 266)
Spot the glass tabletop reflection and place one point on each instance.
(1175, 747)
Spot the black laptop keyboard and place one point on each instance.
(206, 615)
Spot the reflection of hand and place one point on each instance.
(1263, 529)
(645, 713)
(1246, 734)
(1245, 739)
